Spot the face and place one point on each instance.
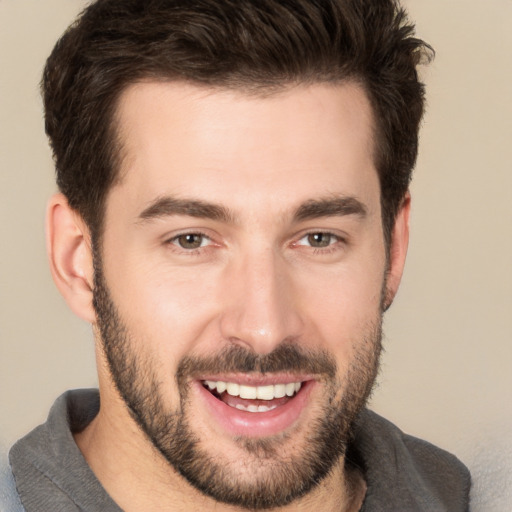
(239, 287)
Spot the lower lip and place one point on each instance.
(256, 424)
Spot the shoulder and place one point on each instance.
(49, 470)
(9, 498)
(409, 473)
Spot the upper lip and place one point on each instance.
(249, 379)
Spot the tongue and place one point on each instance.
(233, 401)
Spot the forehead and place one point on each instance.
(184, 140)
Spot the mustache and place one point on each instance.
(286, 357)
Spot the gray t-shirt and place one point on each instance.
(403, 474)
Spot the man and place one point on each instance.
(233, 222)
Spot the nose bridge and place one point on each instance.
(261, 311)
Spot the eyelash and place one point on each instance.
(193, 251)
(333, 245)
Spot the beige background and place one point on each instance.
(447, 369)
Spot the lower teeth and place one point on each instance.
(255, 408)
(224, 397)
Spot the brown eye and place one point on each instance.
(190, 240)
(320, 239)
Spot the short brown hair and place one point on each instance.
(253, 45)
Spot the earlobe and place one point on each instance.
(398, 251)
(70, 256)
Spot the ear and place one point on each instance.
(70, 255)
(398, 251)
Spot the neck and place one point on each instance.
(137, 477)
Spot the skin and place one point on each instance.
(255, 281)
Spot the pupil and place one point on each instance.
(192, 241)
(319, 239)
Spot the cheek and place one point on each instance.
(342, 305)
(171, 311)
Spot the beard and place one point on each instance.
(275, 477)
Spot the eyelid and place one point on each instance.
(336, 247)
(329, 232)
(172, 241)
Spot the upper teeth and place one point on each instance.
(254, 392)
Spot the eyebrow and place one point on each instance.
(312, 209)
(168, 206)
(332, 206)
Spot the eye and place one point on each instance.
(191, 240)
(319, 240)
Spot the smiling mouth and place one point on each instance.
(255, 399)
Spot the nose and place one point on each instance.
(261, 310)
